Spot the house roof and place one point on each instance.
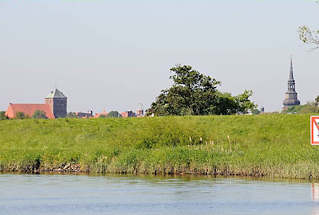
(55, 94)
(29, 109)
(97, 115)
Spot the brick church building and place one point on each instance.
(55, 106)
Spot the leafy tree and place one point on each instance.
(113, 114)
(21, 115)
(39, 114)
(3, 115)
(317, 101)
(71, 115)
(193, 93)
(255, 111)
(309, 36)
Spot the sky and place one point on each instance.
(116, 54)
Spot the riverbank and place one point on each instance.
(273, 145)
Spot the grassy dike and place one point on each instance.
(263, 145)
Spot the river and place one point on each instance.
(82, 194)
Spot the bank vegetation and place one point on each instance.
(269, 145)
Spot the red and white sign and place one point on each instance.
(314, 129)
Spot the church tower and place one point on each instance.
(58, 103)
(291, 98)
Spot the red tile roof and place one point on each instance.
(124, 114)
(97, 115)
(29, 109)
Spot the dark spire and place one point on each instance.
(291, 98)
(291, 74)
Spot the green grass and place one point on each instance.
(276, 145)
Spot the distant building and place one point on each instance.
(55, 107)
(28, 110)
(140, 113)
(291, 97)
(128, 114)
(58, 103)
(103, 114)
(88, 114)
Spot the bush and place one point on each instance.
(255, 111)
(310, 107)
(21, 115)
(113, 114)
(71, 115)
(3, 115)
(39, 114)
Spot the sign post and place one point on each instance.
(314, 130)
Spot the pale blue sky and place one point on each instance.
(114, 54)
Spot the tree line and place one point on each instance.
(38, 114)
(309, 107)
(111, 114)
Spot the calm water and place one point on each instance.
(69, 194)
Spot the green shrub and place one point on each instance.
(39, 114)
(21, 115)
(3, 115)
(113, 114)
(71, 115)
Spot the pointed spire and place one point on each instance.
(291, 74)
(291, 95)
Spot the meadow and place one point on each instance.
(269, 145)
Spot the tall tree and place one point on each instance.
(193, 93)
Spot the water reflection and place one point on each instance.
(315, 198)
